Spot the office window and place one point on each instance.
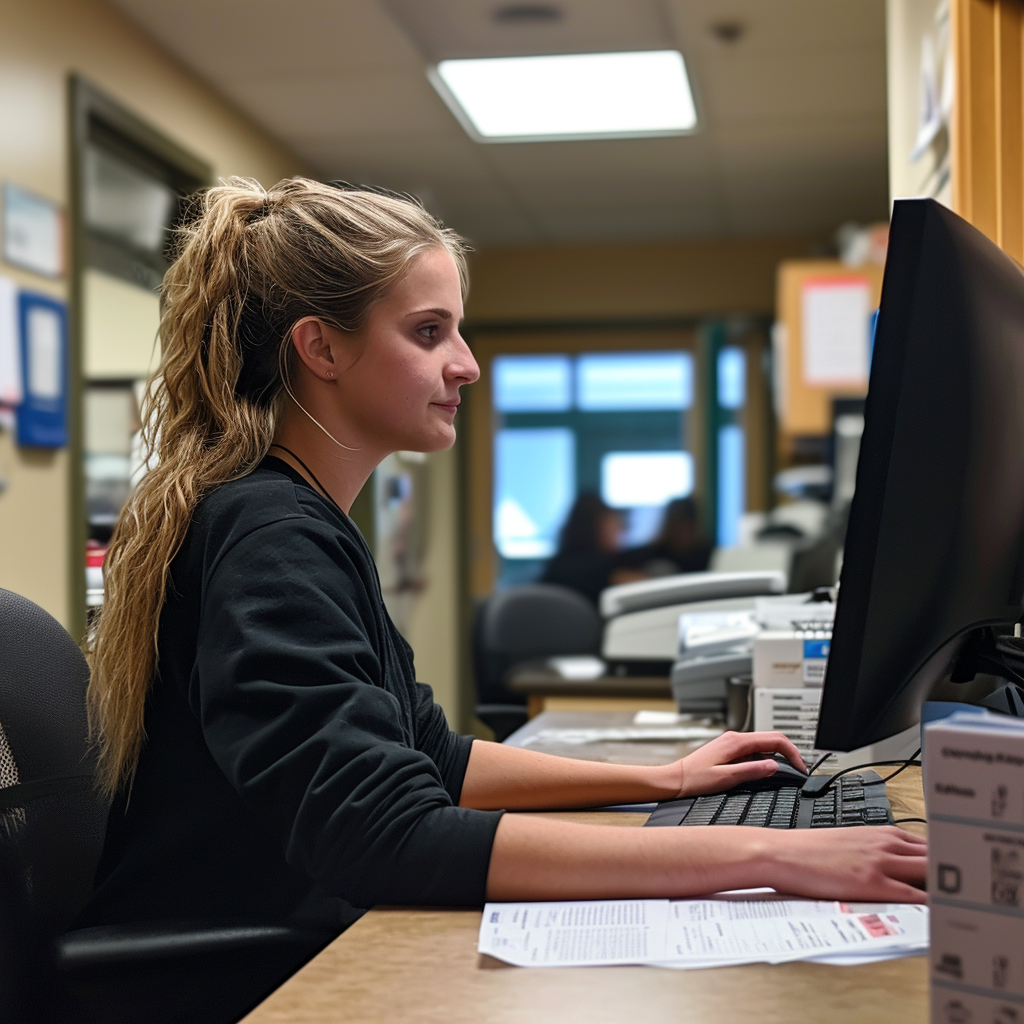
(608, 423)
(124, 202)
(732, 378)
(634, 381)
(532, 383)
(732, 498)
(631, 479)
(535, 472)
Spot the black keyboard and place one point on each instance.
(854, 799)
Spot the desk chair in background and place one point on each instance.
(521, 625)
(52, 824)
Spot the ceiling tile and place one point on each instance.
(365, 104)
(228, 39)
(469, 28)
(793, 136)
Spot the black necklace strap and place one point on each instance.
(312, 475)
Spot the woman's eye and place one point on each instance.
(428, 331)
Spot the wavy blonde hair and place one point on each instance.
(250, 263)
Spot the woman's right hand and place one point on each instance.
(878, 864)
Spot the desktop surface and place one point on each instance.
(421, 966)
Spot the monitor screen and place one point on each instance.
(935, 544)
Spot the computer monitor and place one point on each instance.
(935, 543)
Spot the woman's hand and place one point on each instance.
(878, 864)
(716, 766)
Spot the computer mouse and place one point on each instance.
(786, 775)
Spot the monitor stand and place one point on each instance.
(1008, 699)
(900, 747)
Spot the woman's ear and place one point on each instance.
(311, 339)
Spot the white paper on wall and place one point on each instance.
(44, 347)
(836, 331)
(10, 348)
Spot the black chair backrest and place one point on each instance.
(49, 811)
(539, 620)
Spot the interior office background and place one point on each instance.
(808, 113)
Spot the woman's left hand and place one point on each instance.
(717, 766)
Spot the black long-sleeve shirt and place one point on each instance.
(293, 769)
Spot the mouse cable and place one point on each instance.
(910, 762)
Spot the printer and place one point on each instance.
(698, 628)
(641, 633)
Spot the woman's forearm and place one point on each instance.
(535, 858)
(510, 777)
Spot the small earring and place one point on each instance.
(330, 375)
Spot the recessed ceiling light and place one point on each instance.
(569, 96)
(728, 31)
(528, 14)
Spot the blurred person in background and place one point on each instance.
(588, 552)
(678, 546)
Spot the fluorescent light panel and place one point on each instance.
(578, 95)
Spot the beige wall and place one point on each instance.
(41, 43)
(433, 624)
(119, 328)
(641, 280)
(908, 22)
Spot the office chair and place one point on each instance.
(520, 625)
(816, 561)
(52, 824)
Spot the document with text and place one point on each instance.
(714, 932)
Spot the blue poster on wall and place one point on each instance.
(42, 415)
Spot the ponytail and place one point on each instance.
(250, 263)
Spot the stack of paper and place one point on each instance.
(623, 733)
(715, 932)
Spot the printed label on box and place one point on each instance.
(815, 660)
(977, 948)
(974, 773)
(969, 864)
(950, 1005)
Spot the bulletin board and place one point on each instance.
(820, 345)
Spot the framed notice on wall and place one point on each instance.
(33, 232)
(822, 344)
(42, 414)
(836, 338)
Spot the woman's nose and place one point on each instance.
(463, 366)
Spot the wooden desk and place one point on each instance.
(548, 691)
(420, 966)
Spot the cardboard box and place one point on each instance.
(974, 770)
(950, 1005)
(791, 658)
(983, 866)
(974, 793)
(978, 949)
(793, 712)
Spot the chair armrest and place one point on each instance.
(116, 945)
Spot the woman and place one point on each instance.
(587, 548)
(269, 752)
(677, 547)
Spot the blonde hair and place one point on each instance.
(250, 263)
